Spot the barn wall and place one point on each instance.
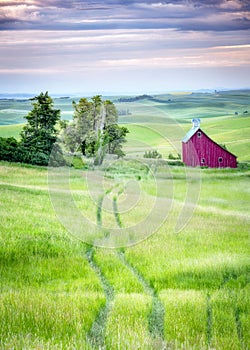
(189, 155)
(202, 151)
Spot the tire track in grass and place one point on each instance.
(99, 211)
(227, 278)
(96, 335)
(239, 326)
(116, 212)
(100, 203)
(156, 317)
(209, 320)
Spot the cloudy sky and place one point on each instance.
(117, 46)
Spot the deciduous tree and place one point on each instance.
(94, 129)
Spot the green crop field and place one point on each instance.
(184, 285)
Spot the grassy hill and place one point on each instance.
(171, 118)
(179, 277)
(161, 121)
(180, 107)
(172, 290)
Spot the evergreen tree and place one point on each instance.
(39, 134)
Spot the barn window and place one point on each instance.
(220, 159)
(199, 134)
(202, 160)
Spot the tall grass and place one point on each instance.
(118, 275)
(32, 317)
(127, 326)
(185, 318)
(50, 294)
(228, 319)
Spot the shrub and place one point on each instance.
(171, 156)
(9, 149)
(152, 154)
(13, 151)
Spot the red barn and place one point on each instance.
(199, 150)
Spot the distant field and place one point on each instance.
(185, 107)
(186, 290)
(13, 111)
(11, 130)
(180, 107)
(223, 117)
(161, 123)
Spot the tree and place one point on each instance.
(39, 134)
(115, 137)
(94, 129)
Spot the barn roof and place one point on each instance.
(194, 130)
(190, 133)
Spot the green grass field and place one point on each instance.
(172, 290)
(179, 290)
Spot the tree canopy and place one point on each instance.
(39, 134)
(94, 129)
